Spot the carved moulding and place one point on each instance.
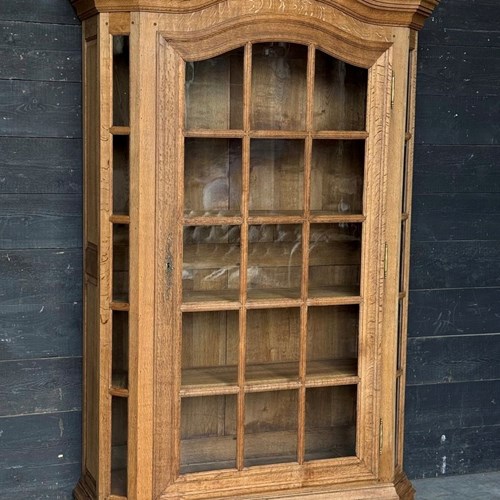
(407, 13)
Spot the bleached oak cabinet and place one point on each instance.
(247, 214)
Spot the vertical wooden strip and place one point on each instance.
(168, 278)
(392, 235)
(105, 253)
(247, 89)
(143, 50)
(405, 258)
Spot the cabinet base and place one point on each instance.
(404, 488)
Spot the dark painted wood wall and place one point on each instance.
(40, 249)
(453, 394)
(453, 400)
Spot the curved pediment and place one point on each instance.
(407, 13)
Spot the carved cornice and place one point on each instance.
(406, 13)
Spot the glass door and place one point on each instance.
(273, 195)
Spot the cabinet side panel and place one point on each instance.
(91, 227)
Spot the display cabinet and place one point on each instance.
(247, 214)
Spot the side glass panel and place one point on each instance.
(121, 80)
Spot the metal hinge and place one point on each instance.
(380, 436)
(386, 260)
(393, 89)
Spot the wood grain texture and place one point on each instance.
(40, 440)
(453, 359)
(40, 221)
(40, 276)
(40, 109)
(40, 385)
(40, 330)
(54, 165)
(454, 312)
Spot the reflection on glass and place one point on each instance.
(211, 263)
(276, 175)
(279, 86)
(212, 177)
(331, 422)
(210, 348)
(274, 261)
(119, 439)
(121, 80)
(337, 176)
(339, 94)
(271, 427)
(121, 175)
(332, 340)
(208, 433)
(334, 259)
(214, 92)
(120, 350)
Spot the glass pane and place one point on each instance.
(332, 341)
(210, 348)
(274, 261)
(276, 176)
(212, 177)
(402, 254)
(208, 433)
(330, 422)
(397, 437)
(279, 86)
(121, 175)
(214, 92)
(339, 94)
(273, 337)
(120, 350)
(121, 80)
(401, 332)
(211, 268)
(271, 427)
(120, 263)
(337, 175)
(119, 429)
(334, 259)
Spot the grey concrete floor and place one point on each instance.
(468, 487)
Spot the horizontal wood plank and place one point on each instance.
(454, 312)
(39, 276)
(36, 440)
(438, 360)
(40, 386)
(458, 71)
(55, 481)
(40, 109)
(448, 120)
(40, 330)
(452, 169)
(40, 221)
(455, 264)
(47, 11)
(40, 165)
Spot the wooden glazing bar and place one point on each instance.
(119, 130)
(317, 217)
(116, 497)
(272, 303)
(214, 133)
(402, 294)
(119, 219)
(305, 255)
(408, 136)
(119, 306)
(341, 135)
(213, 221)
(253, 218)
(405, 216)
(245, 194)
(118, 392)
(334, 301)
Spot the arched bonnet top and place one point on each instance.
(403, 13)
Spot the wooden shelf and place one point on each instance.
(119, 306)
(261, 377)
(119, 219)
